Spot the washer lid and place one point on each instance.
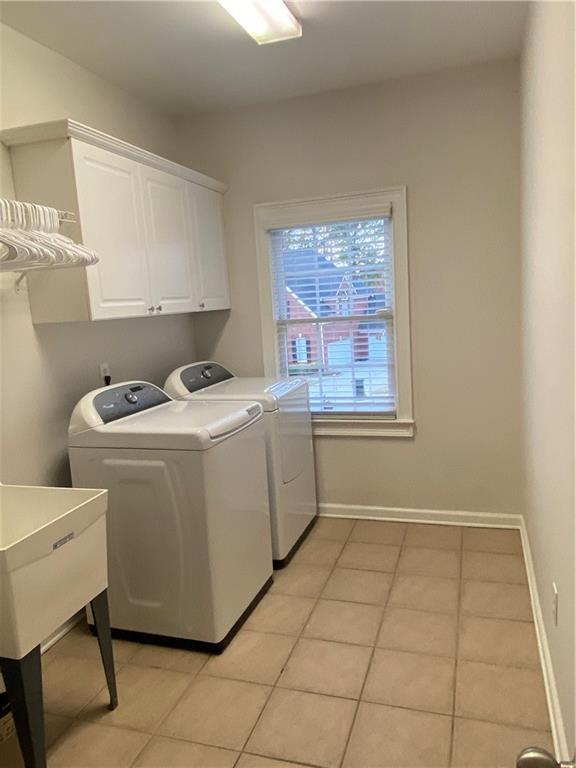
(165, 424)
(188, 382)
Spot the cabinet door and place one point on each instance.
(110, 210)
(206, 215)
(169, 243)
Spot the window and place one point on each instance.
(301, 349)
(334, 289)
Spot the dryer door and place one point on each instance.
(295, 428)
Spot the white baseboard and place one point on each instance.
(437, 516)
(54, 637)
(61, 631)
(554, 710)
(490, 520)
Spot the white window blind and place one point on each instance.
(333, 297)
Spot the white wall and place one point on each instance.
(453, 139)
(45, 369)
(548, 323)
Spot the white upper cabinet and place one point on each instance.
(157, 226)
(208, 223)
(111, 220)
(169, 241)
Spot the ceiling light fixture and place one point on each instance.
(267, 21)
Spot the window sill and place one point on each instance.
(334, 426)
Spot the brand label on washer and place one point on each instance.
(63, 540)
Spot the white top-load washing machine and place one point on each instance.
(188, 524)
(290, 452)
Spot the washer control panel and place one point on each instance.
(116, 402)
(202, 375)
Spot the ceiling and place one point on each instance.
(192, 56)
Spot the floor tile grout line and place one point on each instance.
(316, 765)
(521, 726)
(400, 607)
(526, 667)
(456, 650)
(385, 649)
(204, 663)
(411, 709)
(247, 739)
(78, 721)
(200, 670)
(179, 699)
(403, 546)
(502, 583)
(77, 717)
(492, 552)
(271, 687)
(153, 734)
(462, 616)
(374, 647)
(298, 638)
(495, 618)
(280, 760)
(460, 551)
(317, 599)
(82, 721)
(73, 720)
(362, 570)
(141, 750)
(354, 602)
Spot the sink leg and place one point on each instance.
(99, 607)
(23, 680)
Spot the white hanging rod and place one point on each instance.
(64, 217)
(67, 216)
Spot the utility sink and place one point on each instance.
(52, 560)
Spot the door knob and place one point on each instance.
(533, 757)
(159, 308)
(150, 309)
(202, 304)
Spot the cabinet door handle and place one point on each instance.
(159, 308)
(202, 305)
(150, 309)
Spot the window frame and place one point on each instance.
(319, 210)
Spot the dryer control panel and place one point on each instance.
(202, 375)
(124, 400)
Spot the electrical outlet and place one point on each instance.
(555, 597)
(105, 373)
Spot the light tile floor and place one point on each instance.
(382, 645)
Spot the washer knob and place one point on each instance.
(131, 397)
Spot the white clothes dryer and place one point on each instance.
(290, 452)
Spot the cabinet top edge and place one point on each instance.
(71, 129)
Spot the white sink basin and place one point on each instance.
(52, 560)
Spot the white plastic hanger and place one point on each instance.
(19, 250)
(29, 239)
(46, 232)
